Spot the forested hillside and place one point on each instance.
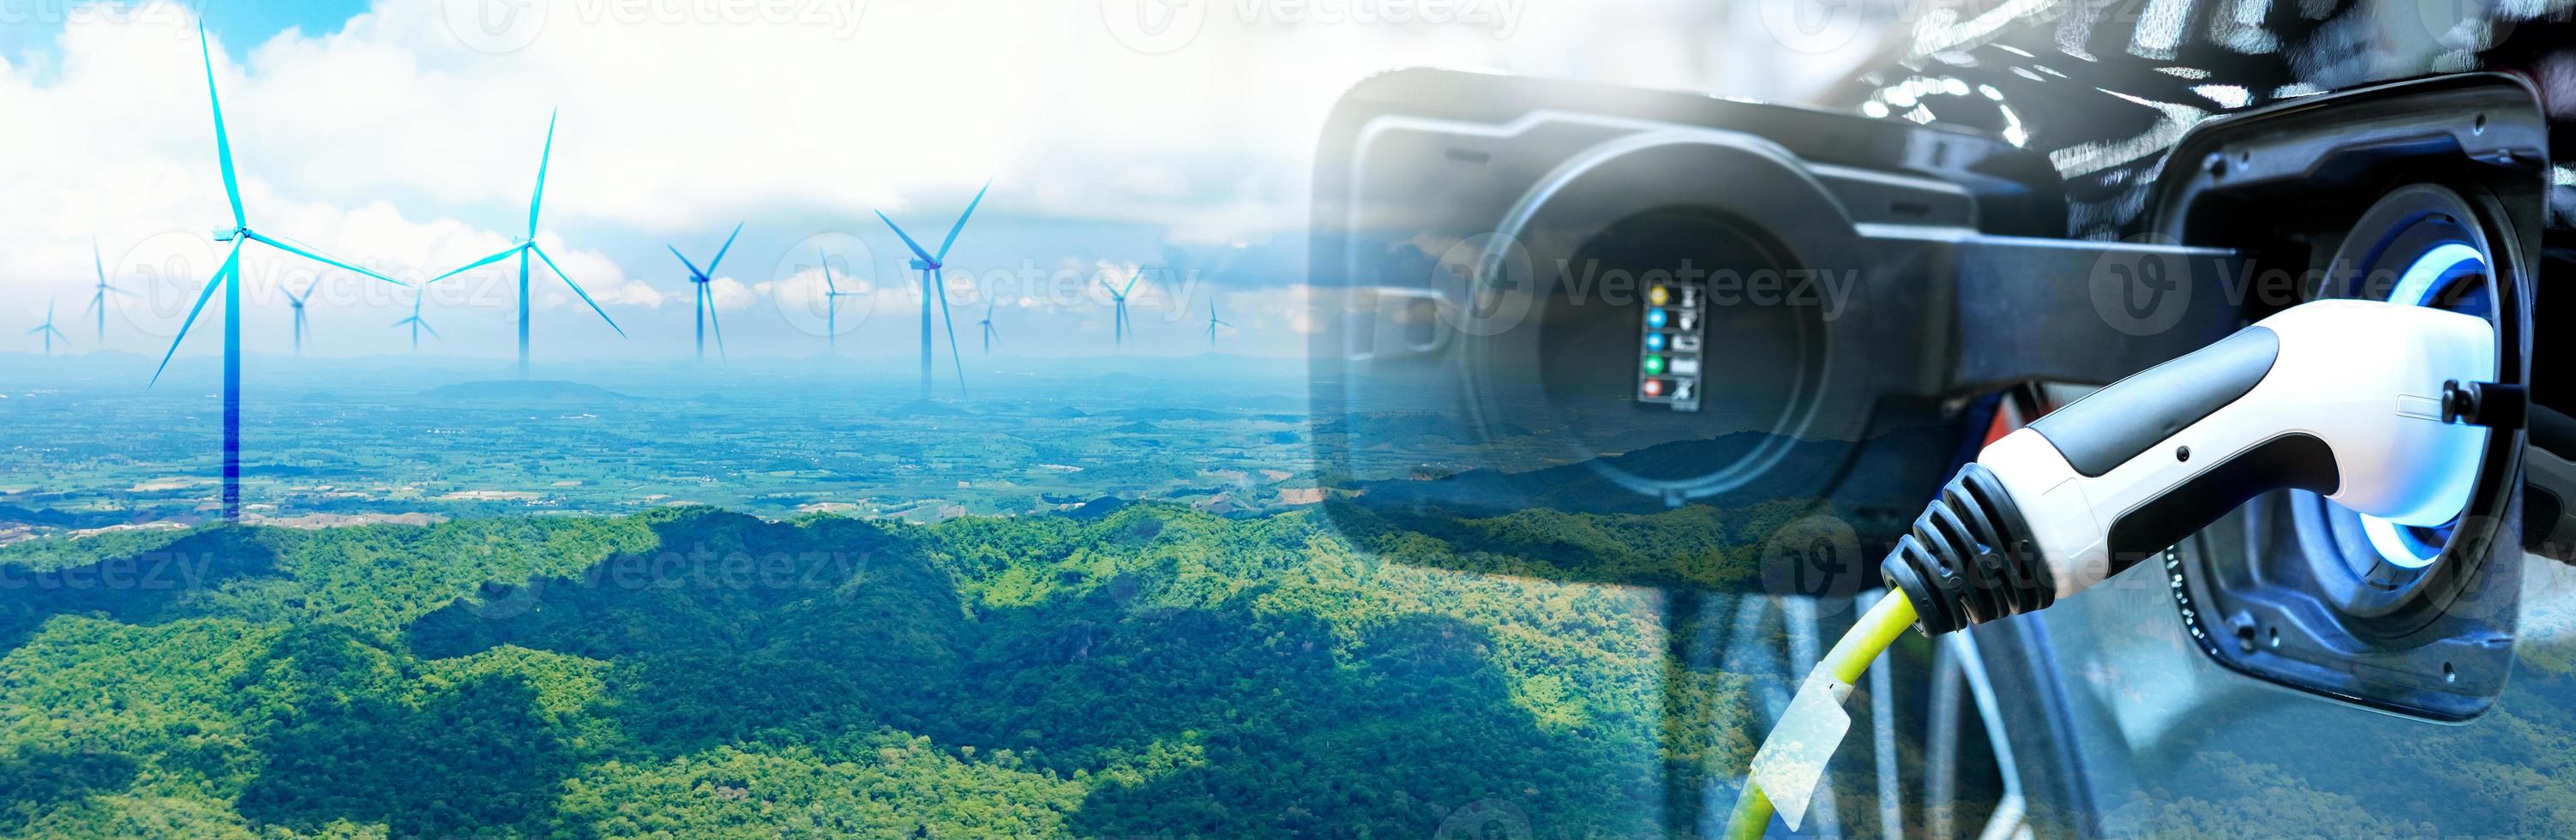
(1143, 670)
(1135, 670)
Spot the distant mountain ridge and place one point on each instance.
(527, 390)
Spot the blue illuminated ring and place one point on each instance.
(2420, 285)
(2426, 277)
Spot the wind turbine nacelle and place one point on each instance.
(227, 234)
(918, 265)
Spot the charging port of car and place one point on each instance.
(2427, 193)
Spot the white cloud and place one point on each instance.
(732, 295)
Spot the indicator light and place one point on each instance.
(1658, 296)
(1655, 318)
(1654, 365)
(1654, 341)
(1654, 387)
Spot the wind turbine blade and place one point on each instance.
(829, 288)
(961, 222)
(718, 326)
(907, 239)
(542, 160)
(97, 263)
(223, 275)
(720, 252)
(94, 301)
(693, 267)
(324, 260)
(576, 289)
(433, 331)
(223, 144)
(495, 257)
(940, 280)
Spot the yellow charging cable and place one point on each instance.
(1850, 657)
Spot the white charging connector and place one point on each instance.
(2343, 398)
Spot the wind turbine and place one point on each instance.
(706, 293)
(416, 323)
(528, 245)
(47, 330)
(989, 332)
(297, 301)
(228, 279)
(98, 297)
(832, 296)
(1118, 302)
(934, 282)
(1214, 322)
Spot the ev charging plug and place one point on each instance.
(2353, 400)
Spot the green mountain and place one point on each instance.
(689, 672)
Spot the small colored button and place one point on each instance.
(1654, 341)
(1654, 387)
(1654, 365)
(1658, 296)
(1655, 318)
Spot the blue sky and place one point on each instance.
(30, 38)
(392, 134)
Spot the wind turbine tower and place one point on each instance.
(832, 296)
(1118, 303)
(228, 280)
(1214, 322)
(47, 330)
(933, 283)
(706, 294)
(99, 293)
(297, 301)
(415, 322)
(989, 332)
(528, 245)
